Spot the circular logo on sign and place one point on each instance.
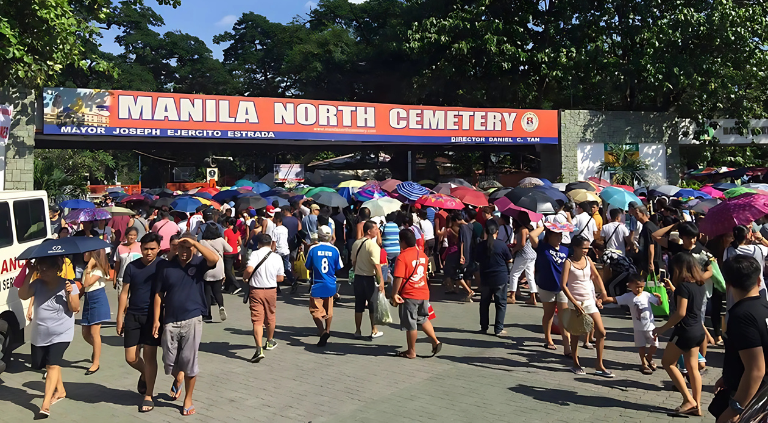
(191, 271)
(530, 122)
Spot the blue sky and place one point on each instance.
(205, 18)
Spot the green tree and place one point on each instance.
(626, 165)
(68, 172)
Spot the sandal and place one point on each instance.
(146, 406)
(175, 391)
(605, 373)
(577, 371)
(404, 354)
(437, 348)
(652, 366)
(588, 346)
(43, 414)
(693, 411)
(188, 411)
(550, 346)
(646, 370)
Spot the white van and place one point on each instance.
(23, 223)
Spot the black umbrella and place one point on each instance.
(245, 202)
(165, 193)
(641, 192)
(534, 200)
(499, 193)
(460, 182)
(162, 202)
(64, 246)
(703, 206)
(580, 185)
(330, 199)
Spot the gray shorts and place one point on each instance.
(181, 342)
(552, 297)
(413, 313)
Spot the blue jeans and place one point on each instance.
(497, 294)
(288, 268)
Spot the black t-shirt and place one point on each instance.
(142, 282)
(747, 328)
(695, 294)
(699, 252)
(292, 224)
(645, 240)
(338, 225)
(493, 267)
(465, 238)
(184, 288)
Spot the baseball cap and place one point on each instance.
(314, 207)
(54, 208)
(325, 230)
(270, 210)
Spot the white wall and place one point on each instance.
(589, 156)
(726, 132)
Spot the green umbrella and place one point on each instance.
(302, 190)
(314, 191)
(735, 192)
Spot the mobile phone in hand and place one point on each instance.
(662, 274)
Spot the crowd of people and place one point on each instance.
(170, 269)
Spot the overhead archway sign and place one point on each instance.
(72, 111)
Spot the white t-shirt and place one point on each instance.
(99, 284)
(270, 228)
(560, 217)
(586, 222)
(280, 236)
(194, 222)
(427, 229)
(759, 252)
(266, 275)
(617, 235)
(640, 308)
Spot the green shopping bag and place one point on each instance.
(717, 277)
(653, 286)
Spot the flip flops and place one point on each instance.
(403, 354)
(577, 371)
(437, 348)
(550, 346)
(175, 391)
(57, 400)
(605, 373)
(146, 403)
(188, 411)
(323, 339)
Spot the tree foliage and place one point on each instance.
(68, 172)
(626, 166)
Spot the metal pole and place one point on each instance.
(410, 177)
(139, 172)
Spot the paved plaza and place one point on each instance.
(475, 378)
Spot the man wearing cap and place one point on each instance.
(366, 261)
(263, 272)
(54, 214)
(267, 225)
(323, 261)
(309, 223)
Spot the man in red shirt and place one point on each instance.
(412, 294)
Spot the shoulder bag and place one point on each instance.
(248, 294)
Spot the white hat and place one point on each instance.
(324, 233)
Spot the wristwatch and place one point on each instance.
(735, 406)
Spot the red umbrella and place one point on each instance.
(722, 218)
(389, 185)
(505, 206)
(625, 187)
(600, 182)
(470, 196)
(209, 190)
(440, 201)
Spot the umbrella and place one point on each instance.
(247, 194)
(162, 193)
(533, 199)
(209, 190)
(427, 183)
(118, 211)
(351, 184)
(411, 190)
(712, 192)
(116, 194)
(703, 206)
(722, 186)
(505, 206)
(490, 184)
(193, 191)
(619, 197)
(440, 201)
(763, 187)
(255, 202)
(205, 195)
(599, 181)
(242, 183)
(688, 192)
(77, 204)
(86, 215)
(560, 186)
(346, 192)
(162, 202)
(444, 188)
(499, 193)
(226, 195)
(186, 204)
(552, 192)
(530, 182)
(582, 195)
(723, 217)
(736, 192)
(389, 185)
(259, 187)
(120, 197)
(580, 185)
(314, 191)
(276, 192)
(211, 203)
(138, 197)
(371, 191)
(330, 199)
(460, 182)
(626, 187)
(282, 202)
(470, 196)
(383, 206)
(64, 246)
(663, 190)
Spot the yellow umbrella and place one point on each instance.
(582, 195)
(351, 184)
(428, 182)
(119, 211)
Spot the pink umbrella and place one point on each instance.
(712, 192)
(505, 206)
(440, 201)
(722, 218)
(389, 185)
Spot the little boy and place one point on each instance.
(639, 303)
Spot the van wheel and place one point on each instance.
(5, 344)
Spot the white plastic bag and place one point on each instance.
(381, 314)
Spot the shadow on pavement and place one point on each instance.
(564, 397)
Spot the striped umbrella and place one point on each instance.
(411, 190)
(371, 191)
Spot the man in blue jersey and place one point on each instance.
(323, 261)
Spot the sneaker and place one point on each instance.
(237, 291)
(222, 314)
(258, 356)
(377, 335)
(271, 345)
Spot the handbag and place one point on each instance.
(300, 267)
(248, 295)
(351, 277)
(653, 286)
(575, 323)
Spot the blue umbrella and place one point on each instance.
(619, 197)
(114, 194)
(247, 194)
(64, 246)
(688, 192)
(547, 182)
(555, 193)
(242, 183)
(346, 192)
(186, 204)
(411, 190)
(281, 202)
(77, 204)
(224, 196)
(206, 195)
(275, 192)
(724, 186)
(259, 188)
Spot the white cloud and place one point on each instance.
(227, 20)
(310, 5)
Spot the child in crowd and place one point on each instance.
(639, 303)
